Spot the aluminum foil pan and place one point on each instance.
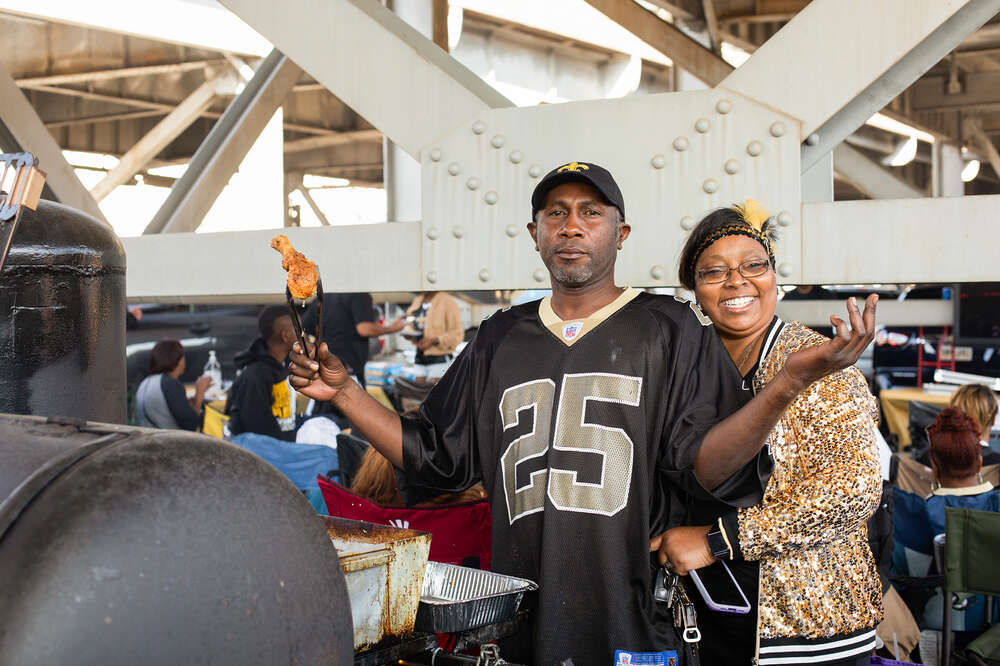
(457, 598)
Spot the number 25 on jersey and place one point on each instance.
(534, 400)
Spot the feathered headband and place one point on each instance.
(758, 226)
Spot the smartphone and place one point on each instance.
(725, 594)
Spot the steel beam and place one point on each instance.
(338, 139)
(165, 131)
(974, 128)
(220, 154)
(105, 118)
(890, 312)
(320, 215)
(912, 36)
(667, 39)
(930, 93)
(410, 89)
(871, 178)
(241, 266)
(26, 129)
(118, 73)
(873, 242)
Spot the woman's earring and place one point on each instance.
(979, 477)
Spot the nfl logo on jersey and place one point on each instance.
(571, 330)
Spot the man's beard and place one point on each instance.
(572, 276)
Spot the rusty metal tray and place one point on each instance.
(457, 598)
(383, 567)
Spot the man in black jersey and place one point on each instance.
(585, 416)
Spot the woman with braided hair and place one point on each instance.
(801, 555)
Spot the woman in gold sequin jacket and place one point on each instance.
(802, 554)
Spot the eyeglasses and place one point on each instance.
(748, 269)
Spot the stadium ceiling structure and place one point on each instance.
(786, 127)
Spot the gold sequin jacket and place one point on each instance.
(809, 532)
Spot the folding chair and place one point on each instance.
(299, 462)
(461, 533)
(970, 562)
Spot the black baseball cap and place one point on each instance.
(581, 172)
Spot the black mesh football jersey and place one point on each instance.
(584, 433)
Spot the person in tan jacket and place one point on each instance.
(437, 331)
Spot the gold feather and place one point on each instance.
(753, 213)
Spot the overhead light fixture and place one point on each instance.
(904, 153)
(970, 170)
(896, 127)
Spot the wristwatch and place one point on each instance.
(717, 544)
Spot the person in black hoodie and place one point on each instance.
(261, 399)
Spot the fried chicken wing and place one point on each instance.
(302, 273)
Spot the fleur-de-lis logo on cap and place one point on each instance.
(573, 166)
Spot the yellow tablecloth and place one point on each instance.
(896, 407)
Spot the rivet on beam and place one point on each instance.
(710, 186)
(687, 223)
(432, 233)
(785, 218)
(656, 272)
(702, 125)
(432, 276)
(732, 167)
(497, 141)
(681, 143)
(755, 148)
(472, 183)
(478, 127)
(491, 197)
(516, 157)
(784, 269)
(454, 169)
(484, 275)
(778, 129)
(511, 230)
(658, 162)
(535, 171)
(436, 155)
(538, 275)
(812, 139)
(458, 232)
(724, 106)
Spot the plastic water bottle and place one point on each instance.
(214, 370)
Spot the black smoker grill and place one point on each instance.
(123, 545)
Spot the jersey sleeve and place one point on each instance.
(702, 388)
(440, 444)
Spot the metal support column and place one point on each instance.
(165, 131)
(25, 131)
(225, 147)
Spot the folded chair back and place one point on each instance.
(460, 533)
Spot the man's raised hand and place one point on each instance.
(808, 365)
(320, 381)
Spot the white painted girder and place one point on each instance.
(941, 239)
(870, 177)
(241, 266)
(165, 131)
(929, 240)
(409, 88)
(707, 148)
(220, 154)
(30, 133)
(806, 71)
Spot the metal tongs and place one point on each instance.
(297, 307)
(21, 183)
